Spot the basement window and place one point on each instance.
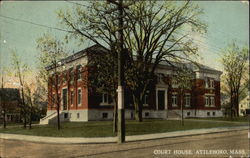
(208, 113)
(66, 115)
(104, 115)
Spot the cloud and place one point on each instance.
(245, 2)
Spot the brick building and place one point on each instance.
(162, 100)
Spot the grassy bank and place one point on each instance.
(104, 128)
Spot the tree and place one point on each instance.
(235, 62)
(52, 51)
(20, 69)
(184, 78)
(29, 97)
(153, 32)
(103, 77)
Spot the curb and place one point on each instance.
(81, 140)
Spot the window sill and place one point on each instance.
(106, 104)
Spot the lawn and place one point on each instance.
(235, 119)
(104, 128)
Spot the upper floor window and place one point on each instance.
(146, 99)
(174, 100)
(64, 98)
(79, 72)
(209, 83)
(71, 74)
(160, 77)
(187, 100)
(71, 98)
(105, 98)
(79, 97)
(174, 83)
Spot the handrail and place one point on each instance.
(47, 116)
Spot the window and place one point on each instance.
(146, 99)
(213, 113)
(209, 83)
(188, 113)
(71, 74)
(105, 98)
(160, 77)
(71, 98)
(174, 83)
(208, 113)
(104, 115)
(78, 115)
(64, 98)
(187, 100)
(146, 114)
(66, 115)
(79, 97)
(79, 72)
(212, 101)
(209, 101)
(174, 100)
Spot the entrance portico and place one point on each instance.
(161, 98)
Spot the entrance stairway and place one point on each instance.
(52, 118)
(173, 115)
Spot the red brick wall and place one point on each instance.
(70, 86)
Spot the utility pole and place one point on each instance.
(120, 89)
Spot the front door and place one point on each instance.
(161, 99)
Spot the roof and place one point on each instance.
(83, 53)
(99, 49)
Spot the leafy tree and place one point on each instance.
(103, 76)
(20, 70)
(184, 78)
(153, 32)
(52, 50)
(235, 62)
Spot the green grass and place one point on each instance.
(235, 119)
(104, 128)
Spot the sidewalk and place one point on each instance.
(78, 140)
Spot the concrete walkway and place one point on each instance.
(77, 140)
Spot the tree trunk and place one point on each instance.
(30, 121)
(115, 117)
(237, 104)
(4, 119)
(182, 118)
(138, 108)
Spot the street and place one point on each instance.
(234, 144)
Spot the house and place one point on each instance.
(9, 103)
(162, 100)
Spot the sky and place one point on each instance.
(226, 20)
